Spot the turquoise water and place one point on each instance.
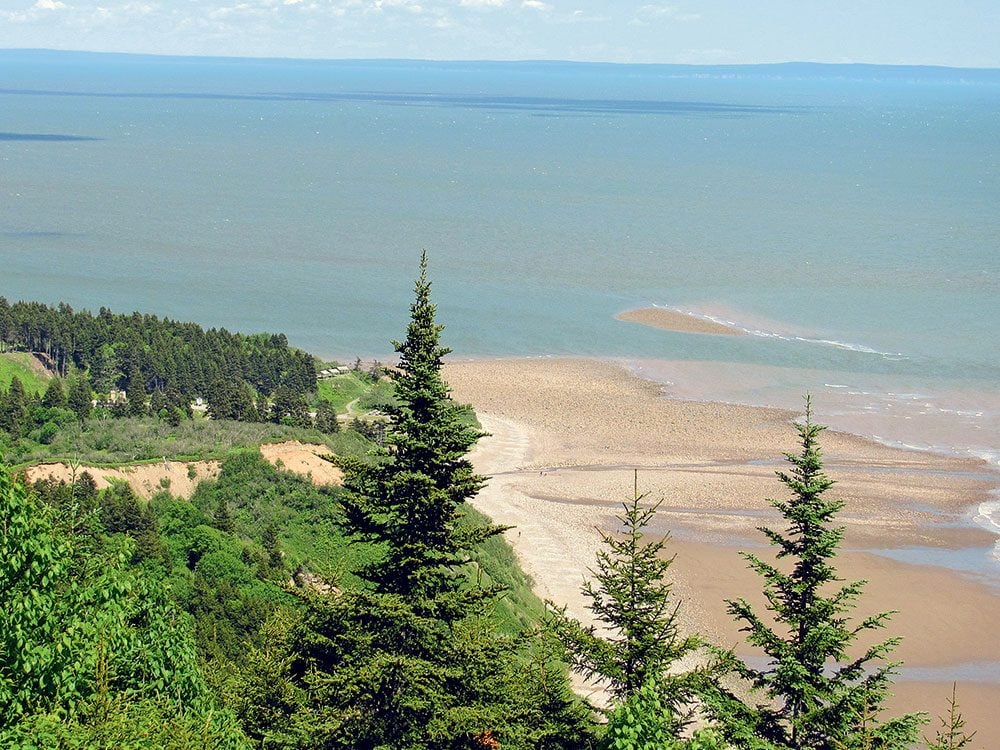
(845, 216)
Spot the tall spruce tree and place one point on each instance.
(415, 659)
(631, 597)
(823, 691)
(409, 502)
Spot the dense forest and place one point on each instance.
(267, 612)
(64, 374)
(144, 354)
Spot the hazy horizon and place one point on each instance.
(819, 64)
(961, 34)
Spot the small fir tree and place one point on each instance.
(818, 696)
(633, 600)
(951, 735)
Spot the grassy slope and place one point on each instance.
(343, 389)
(139, 439)
(20, 364)
(518, 607)
(308, 520)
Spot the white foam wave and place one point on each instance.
(764, 333)
(988, 516)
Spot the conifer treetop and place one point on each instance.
(822, 690)
(409, 502)
(631, 596)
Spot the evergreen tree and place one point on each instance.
(80, 397)
(14, 408)
(413, 659)
(85, 491)
(158, 404)
(223, 518)
(135, 394)
(409, 502)
(326, 418)
(121, 512)
(55, 396)
(819, 696)
(272, 547)
(951, 735)
(176, 401)
(633, 601)
(289, 407)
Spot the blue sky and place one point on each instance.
(927, 32)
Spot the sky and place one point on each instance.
(958, 33)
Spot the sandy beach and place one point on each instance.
(567, 434)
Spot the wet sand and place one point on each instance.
(673, 320)
(567, 434)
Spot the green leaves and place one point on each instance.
(81, 625)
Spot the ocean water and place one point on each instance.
(845, 217)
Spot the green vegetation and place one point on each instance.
(147, 373)
(633, 601)
(817, 692)
(266, 612)
(147, 353)
(414, 656)
(19, 365)
(87, 639)
(146, 439)
(341, 390)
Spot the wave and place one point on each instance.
(771, 334)
(987, 515)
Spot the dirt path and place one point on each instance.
(555, 544)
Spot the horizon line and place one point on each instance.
(495, 61)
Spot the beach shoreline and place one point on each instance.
(567, 432)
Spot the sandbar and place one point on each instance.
(674, 320)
